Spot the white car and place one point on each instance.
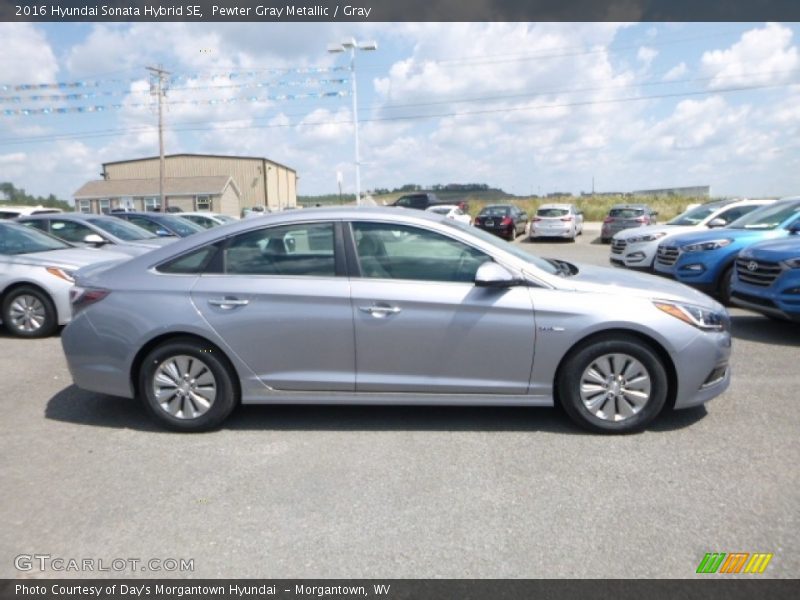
(451, 211)
(207, 220)
(36, 276)
(636, 248)
(8, 211)
(557, 220)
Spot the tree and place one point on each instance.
(15, 195)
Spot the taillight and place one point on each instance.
(506, 221)
(641, 219)
(535, 219)
(608, 220)
(566, 219)
(80, 297)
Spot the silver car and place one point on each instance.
(97, 231)
(36, 272)
(557, 220)
(388, 306)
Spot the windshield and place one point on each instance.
(769, 217)
(494, 211)
(694, 216)
(125, 231)
(226, 218)
(16, 239)
(541, 263)
(180, 226)
(552, 212)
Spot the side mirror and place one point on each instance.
(490, 274)
(718, 222)
(95, 239)
(794, 228)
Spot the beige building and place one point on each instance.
(218, 194)
(254, 181)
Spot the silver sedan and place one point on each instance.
(388, 306)
(36, 272)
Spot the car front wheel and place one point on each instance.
(613, 385)
(187, 385)
(29, 312)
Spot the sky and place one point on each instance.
(529, 108)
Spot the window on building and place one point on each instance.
(151, 203)
(202, 203)
(85, 206)
(104, 204)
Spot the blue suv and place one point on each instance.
(705, 260)
(767, 278)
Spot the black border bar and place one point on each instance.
(398, 10)
(740, 588)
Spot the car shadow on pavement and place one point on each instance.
(757, 328)
(73, 405)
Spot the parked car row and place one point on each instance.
(40, 251)
(746, 252)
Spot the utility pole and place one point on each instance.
(158, 87)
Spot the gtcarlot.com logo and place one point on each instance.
(47, 562)
(734, 563)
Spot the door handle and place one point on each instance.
(380, 312)
(228, 303)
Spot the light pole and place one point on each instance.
(352, 45)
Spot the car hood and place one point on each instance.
(70, 258)
(724, 233)
(668, 229)
(775, 250)
(606, 280)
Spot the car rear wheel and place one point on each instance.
(613, 385)
(187, 386)
(29, 312)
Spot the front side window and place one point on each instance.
(147, 224)
(389, 251)
(69, 231)
(121, 229)
(768, 217)
(305, 249)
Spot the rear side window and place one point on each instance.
(729, 216)
(193, 263)
(291, 250)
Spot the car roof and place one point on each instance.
(440, 206)
(72, 216)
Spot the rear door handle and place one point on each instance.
(228, 303)
(380, 312)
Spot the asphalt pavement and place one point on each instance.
(334, 492)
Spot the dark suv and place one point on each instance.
(422, 200)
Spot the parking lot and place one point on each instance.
(308, 491)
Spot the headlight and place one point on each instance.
(710, 245)
(792, 263)
(648, 237)
(697, 316)
(64, 274)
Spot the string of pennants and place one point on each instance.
(60, 110)
(110, 93)
(229, 76)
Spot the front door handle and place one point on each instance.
(379, 312)
(228, 303)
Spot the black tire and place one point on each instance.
(569, 382)
(49, 320)
(724, 288)
(227, 388)
(605, 240)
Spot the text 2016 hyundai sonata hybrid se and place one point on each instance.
(388, 306)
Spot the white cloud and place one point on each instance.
(761, 56)
(646, 55)
(676, 72)
(26, 55)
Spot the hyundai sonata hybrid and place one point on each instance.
(388, 306)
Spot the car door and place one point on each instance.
(421, 324)
(280, 299)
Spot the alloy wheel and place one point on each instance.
(615, 387)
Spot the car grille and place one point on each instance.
(756, 300)
(618, 246)
(756, 272)
(667, 255)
